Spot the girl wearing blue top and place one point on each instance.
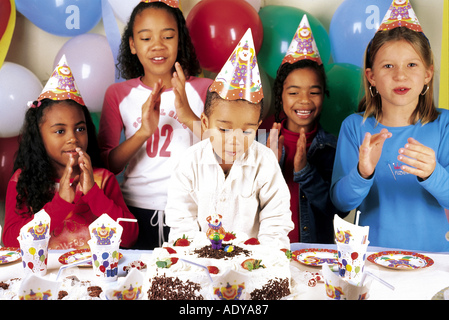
(392, 158)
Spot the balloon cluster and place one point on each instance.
(111, 269)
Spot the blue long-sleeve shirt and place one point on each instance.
(401, 210)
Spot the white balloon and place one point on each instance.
(123, 8)
(90, 58)
(18, 85)
(255, 4)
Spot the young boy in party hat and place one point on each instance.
(228, 173)
(58, 169)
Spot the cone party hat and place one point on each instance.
(61, 85)
(303, 45)
(400, 14)
(170, 3)
(240, 77)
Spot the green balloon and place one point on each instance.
(344, 83)
(96, 120)
(279, 27)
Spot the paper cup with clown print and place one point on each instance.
(230, 286)
(105, 260)
(130, 288)
(34, 255)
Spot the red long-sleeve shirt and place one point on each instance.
(70, 221)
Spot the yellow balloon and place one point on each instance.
(32, 251)
(348, 268)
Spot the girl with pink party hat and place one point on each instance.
(58, 169)
(392, 160)
(156, 108)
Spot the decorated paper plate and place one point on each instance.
(400, 260)
(9, 254)
(315, 257)
(79, 254)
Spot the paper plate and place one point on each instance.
(400, 260)
(9, 254)
(79, 254)
(315, 257)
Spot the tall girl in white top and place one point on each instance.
(156, 107)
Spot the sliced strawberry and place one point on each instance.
(229, 236)
(252, 264)
(170, 250)
(182, 242)
(288, 253)
(252, 241)
(213, 270)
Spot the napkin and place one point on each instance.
(130, 288)
(105, 230)
(38, 228)
(339, 289)
(348, 233)
(230, 286)
(34, 287)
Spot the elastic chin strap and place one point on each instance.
(159, 215)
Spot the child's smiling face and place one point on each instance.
(155, 42)
(63, 130)
(232, 127)
(302, 99)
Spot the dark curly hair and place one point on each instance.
(129, 65)
(282, 74)
(35, 185)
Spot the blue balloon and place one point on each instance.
(65, 18)
(352, 27)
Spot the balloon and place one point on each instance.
(268, 104)
(7, 25)
(32, 251)
(348, 267)
(30, 265)
(105, 255)
(66, 18)
(123, 9)
(90, 58)
(344, 95)
(42, 258)
(96, 120)
(18, 85)
(352, 27)
(255, 4)
(216, 27)
(279, 26)
(354, 255)
(8, 149)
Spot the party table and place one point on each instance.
(418, 284)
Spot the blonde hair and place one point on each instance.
(371, 104)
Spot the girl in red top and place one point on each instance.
(58, 169)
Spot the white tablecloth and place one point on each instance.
(420, 284)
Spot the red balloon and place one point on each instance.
(30, 265)
(5, 14)
(216, 27)
(354, 255)
(8, 149)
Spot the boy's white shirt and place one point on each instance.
(253, 199)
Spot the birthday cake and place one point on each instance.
(233, 267)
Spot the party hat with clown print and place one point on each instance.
(240, 78)
(400, 14)
(303, 45)
(170, 3)
(61, 85)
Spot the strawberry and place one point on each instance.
(213, 270)
(166, 263)
(182, 242)
(252, 264)
(229, 236)
(170, 250)
(252, 241)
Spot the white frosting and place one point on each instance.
(277, 265)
